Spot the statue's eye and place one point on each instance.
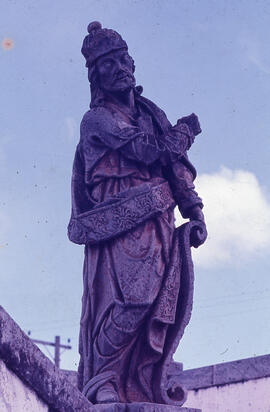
(107, 64)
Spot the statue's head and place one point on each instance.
(110, 67)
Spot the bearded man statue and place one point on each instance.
(130, 171)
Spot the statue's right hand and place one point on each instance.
(193, 123)
(198, 234)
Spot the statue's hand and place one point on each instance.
(198, 233)
(193, 123)
(196, 213)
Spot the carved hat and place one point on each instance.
(100, 41)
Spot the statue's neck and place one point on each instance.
(124, 100)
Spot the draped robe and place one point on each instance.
(123, 196)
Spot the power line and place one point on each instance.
(66, 325)
(221, 315)
(242, 294)
(57, 346)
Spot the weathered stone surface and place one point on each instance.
(25, 359)
(141, 407)
(175, 369)
(72, 376)
(41, 385)
(241, 385)
(15, 396)
(130, 169)
(226, 373)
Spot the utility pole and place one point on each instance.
(57, 351)
(57, 346)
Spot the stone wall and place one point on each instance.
(29, 381)
(239, 386)
(27, 373)
(249, 396)
(15, 396)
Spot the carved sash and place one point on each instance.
(121, 213)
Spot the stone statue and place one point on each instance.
(130, 170)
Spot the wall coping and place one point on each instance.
(57, 388)
(54, 386)
(226, 373)
(27, 361)
(214, 375)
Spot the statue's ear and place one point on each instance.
(92, 74)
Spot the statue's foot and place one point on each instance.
(107, 394)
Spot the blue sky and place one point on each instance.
(207, 57)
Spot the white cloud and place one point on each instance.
(237, 215)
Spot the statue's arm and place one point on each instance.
(81, 201)
(145, 148)
(171, 145)
(101, 129)
(181, 175)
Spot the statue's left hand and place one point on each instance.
(198, 233)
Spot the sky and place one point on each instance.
(208, 57)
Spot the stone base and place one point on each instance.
(140, 407)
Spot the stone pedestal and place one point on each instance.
(140, 407)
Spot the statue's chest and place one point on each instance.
(145, 123)
(142, 120)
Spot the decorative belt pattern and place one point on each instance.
(120, 214)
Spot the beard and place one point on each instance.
(121, 84)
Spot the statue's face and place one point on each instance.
(115, 71)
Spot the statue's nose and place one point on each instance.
(119, 65)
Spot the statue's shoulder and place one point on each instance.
(95, 121)
(96, 114)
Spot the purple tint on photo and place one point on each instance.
(130, 170)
